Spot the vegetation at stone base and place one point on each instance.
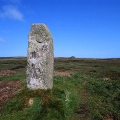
(91, 93)
(58, 103)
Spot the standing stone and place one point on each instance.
(40, 58)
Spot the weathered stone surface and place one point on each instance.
(40, 58)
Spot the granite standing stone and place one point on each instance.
(40, 60)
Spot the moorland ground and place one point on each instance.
(84, 89)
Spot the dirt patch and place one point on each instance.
(83, 110)
(7, 72)
(57, 73)
(8, 90)
(108, 117)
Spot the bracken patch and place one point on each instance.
(8, 90)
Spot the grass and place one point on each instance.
(58, 103)
(104, 99)
(91, 93)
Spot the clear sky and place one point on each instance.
(80, 28)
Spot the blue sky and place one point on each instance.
(80, 28)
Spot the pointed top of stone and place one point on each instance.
(41, 32)
(39, 28)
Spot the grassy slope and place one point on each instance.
(85, 95)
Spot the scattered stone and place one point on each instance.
(106, 79)
(40, 58)
(30, 102)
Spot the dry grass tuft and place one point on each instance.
(66, 73)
